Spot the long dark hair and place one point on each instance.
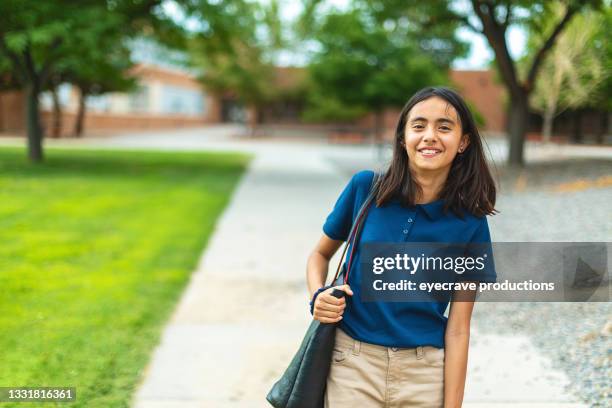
(469, 185)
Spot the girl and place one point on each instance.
(437, 188)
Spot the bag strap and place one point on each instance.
(356, 228)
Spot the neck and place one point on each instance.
(431, 183)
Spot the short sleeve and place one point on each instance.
(338, 223)
(481, 249)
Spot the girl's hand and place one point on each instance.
(328, 308)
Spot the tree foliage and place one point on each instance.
(233, 47)
(492, 19)
(39, 39)
(572, 71)
(367, 62)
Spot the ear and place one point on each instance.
(465, 141)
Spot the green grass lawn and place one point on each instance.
(95, 249)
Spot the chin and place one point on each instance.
(429, 166)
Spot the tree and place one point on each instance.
(572, 71)
(361, 65)
(233, 48)
(98, 69)
(31, 36)
(38, 36)
(492, 18)
(601, 98)
(98, 63)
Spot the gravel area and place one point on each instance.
(545, 175)
(576, 336)
(572, 335)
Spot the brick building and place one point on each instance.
(165, 98)
(483, 93)
(171, 97)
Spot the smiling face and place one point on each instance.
(433, 135)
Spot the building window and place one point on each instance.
(183, 101)
(139, 99)
(98, 103)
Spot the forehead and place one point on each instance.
(433, 109)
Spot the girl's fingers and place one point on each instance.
(328, 320)
(330, 307)
(347, 289)
(325, 313)
(328, 298)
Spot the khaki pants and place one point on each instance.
(364, 375)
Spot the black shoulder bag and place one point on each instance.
(304, 381)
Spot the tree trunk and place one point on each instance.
(603, 127)
(577, 128)
(549, 117)
(517, 129)
(253, 120)
(57, 114)
(80, 117)
(35, 134)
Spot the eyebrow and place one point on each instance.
(422, 119)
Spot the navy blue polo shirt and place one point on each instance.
(398, 324)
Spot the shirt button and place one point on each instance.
(405, 231)
(409, 219)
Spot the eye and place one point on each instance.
(417, 126)
(445, 128)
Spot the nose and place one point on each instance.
(430, 136)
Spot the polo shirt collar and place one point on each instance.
(433, 210)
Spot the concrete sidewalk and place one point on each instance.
(244, 312)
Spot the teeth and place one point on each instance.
(427, 151)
